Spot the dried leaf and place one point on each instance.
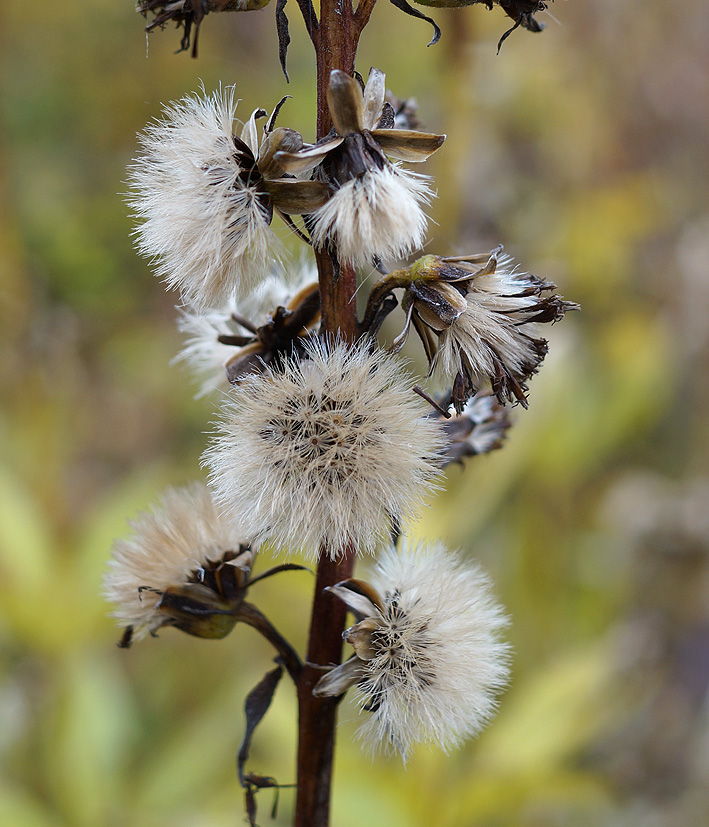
(255, 707)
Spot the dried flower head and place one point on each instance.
(428, 657)
(205, 198)
(323, 453)
(521, 11)
(375, 212)
(187, 14)
(183, 566)
(481, 427)
(252, 333)
(476, 317)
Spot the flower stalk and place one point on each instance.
(335, 41)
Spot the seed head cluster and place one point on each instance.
(325, 453)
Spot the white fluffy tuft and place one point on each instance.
(204, 227)
(378, 214)
(324, 453)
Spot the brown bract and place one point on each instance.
(283, 336)
(263, 168)
(363, 135)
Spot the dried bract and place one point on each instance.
(321, 455)
(428, 657)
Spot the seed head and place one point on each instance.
(216, 339)
(428, 659)
(204, 221)
(495, 339)
(376, 210)
(324, 452)
(173, 547)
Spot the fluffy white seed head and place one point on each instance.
(181, 534)
(324, 453)
(206, 229)
(204, 353)
(438, 659)
(377, 214)
(494, 339)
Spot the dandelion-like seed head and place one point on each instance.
(178, 550)
(204, 218)
(324, 453)
(428, 661)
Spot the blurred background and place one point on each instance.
(584, 150)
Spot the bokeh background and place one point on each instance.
(584, 150)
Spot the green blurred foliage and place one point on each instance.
(583, 149)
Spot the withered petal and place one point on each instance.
(280, 139)
(307, 159)
(340, 679)
(406, 145)
(249, 134)
(360, 597)
(297, 197)
(374, 94)
(346, 102)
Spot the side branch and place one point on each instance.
(251, 616)
(363, 13)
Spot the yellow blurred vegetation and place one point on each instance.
(583, 150)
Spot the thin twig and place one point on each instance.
(251, 616)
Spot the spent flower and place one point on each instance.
(325, 452)
(479, 428)
(252, 333)
(428, 659)
(477, 319)
(376, 209)
(183, 566)
(187, 14)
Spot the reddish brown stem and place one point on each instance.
(318, 716)
(335, 41)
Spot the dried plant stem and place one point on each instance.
(317, 716)
(335, 40)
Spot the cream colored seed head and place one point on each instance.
(323, 454)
